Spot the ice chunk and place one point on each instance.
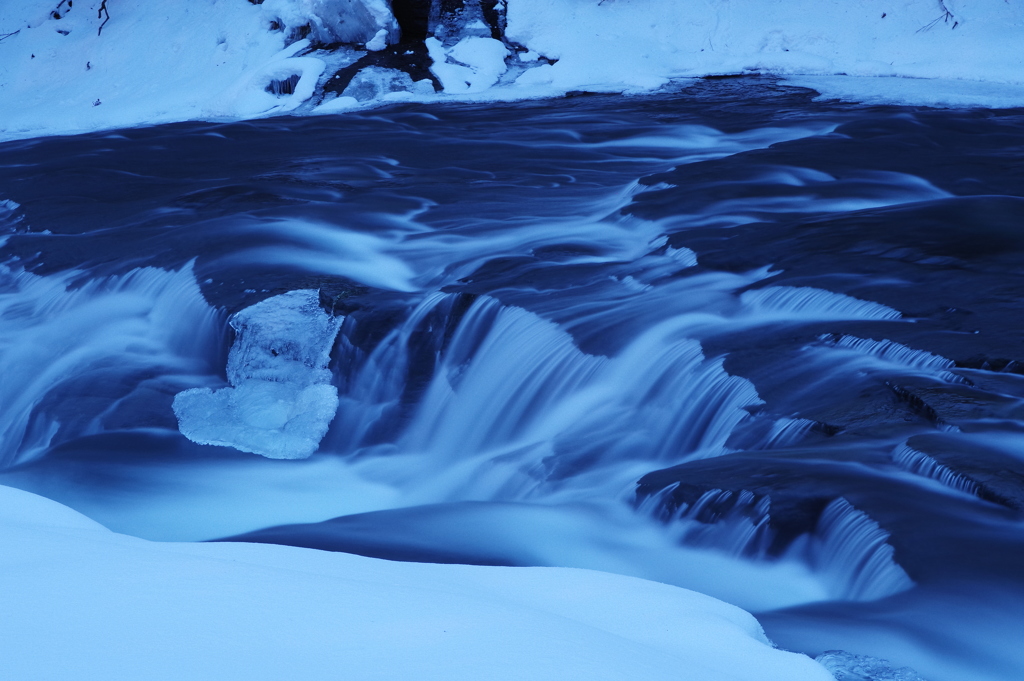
(379, 41)
(472, 65)
(281, 400)
(374, 82)
(849, 667)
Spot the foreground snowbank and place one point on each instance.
(82, 602)
(166, 61)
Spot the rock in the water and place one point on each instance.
(281, 401)
(849, 667)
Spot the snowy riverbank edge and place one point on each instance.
(82, 602)
(60, 73)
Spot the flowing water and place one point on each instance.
(725, 337)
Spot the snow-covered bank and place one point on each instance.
(82, 602)
(642, 43)
(212, 59)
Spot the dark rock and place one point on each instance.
(410, 58)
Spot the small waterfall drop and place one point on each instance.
(115, 343)
(895, 354)
(847, 551)
(919, 463)
(514, 388)
(852, 553)
(786, 302)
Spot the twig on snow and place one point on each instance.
(99, 15)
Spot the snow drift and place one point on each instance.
(82, 602)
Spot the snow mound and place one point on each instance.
(281, 401)
(639, 44)
(471, 65)
(335, 21)
(282, 84)
(84, 603)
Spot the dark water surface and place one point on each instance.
(727, 338)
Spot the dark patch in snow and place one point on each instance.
(410, 58)
(284, 87)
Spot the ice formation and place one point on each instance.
(472, 65)
(336, 21)
(280, 400)
(850, 667)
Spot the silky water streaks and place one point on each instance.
(726, 338)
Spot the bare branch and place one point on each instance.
(99, 15)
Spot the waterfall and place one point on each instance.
(789, 302)
(852, 552)
(83, 356)
(895, 355)
(513, 391)
(919, 463)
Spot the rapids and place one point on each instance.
(724, 337)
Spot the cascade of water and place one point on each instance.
(919, 463)
(848, 552)
(851, 551)
(894, 353)
(375, 384)
(785, 432)
(736, 523)
(505, 372)
(787, 302)
(513, 387)
(114, 343)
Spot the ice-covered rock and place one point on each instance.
(335, 21)
(471, 65)
(281, 401)
(849, 667)
(374, 82)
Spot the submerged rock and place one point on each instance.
(849, 667)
